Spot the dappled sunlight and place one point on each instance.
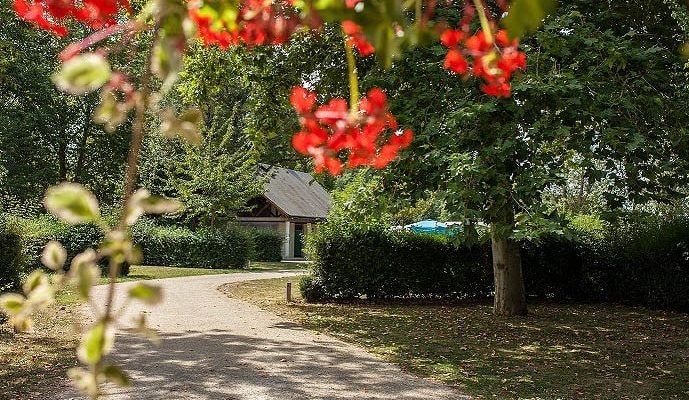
(559, 350)
(217, 364)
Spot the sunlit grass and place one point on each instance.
(568, 351)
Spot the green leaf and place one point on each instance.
(85, 271)
(146, 293)
(35, 280)
(114, 374)
(72, 203)
(83, 74)
(186, 126)
(54, 255)
(141, 327)
(527, 15)
(95, 344)
(12, 303)
(142, 202)
(85, 381)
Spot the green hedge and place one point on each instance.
(232, 247)
(384, 264)
(74, 238)
(11, 266)
(266, 246)
(181, 247)
(642, 262)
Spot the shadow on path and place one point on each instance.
(220, 365)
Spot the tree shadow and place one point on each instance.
(220, 365)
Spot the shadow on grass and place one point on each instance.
(31, 364)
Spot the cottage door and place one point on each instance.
(298, 240)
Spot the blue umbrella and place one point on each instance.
(431, 226)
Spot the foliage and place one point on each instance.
(11, 265)
(266, 245)
(47, 137)
(204, 248)
(37, 232)
(311, 290)
(215, 180)
(641, 261)
(382, 264)
(486, 155)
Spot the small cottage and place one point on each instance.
(293, 203)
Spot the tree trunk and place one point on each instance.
(510, 297)
(62, 161)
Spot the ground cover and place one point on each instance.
(582, 351)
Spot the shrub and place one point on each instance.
(311, 290)
(267, 245)
(383, 264)
(11, 268)
(182, 247)
(35, 233)
(640, 262)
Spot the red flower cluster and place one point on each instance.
(259, 22)
(493, 61)
(330, 130)
(357, 39)
(52, 14)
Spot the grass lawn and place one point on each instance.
(141, 272)
(37, 359)
(567, 351)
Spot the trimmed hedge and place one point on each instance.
(643, 262)
(231, 247)
(182, 247)
(74, 238)
(384, 264)
(266, 246)
(11, 266)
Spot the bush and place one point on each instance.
(11, 267)
(639, 262)
(267, 245)
(182, 247)
(382, 264)
(311, 290)
(35, 233)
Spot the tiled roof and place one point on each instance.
(296, 193)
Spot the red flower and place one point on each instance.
(494, 62)
(357, 39)
(455, 62)
(331, 132)
(52, 15)
(302, 100)
(258, 23)
(451, 38)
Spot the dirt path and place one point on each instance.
(214, 347)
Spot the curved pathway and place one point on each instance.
(215, 347)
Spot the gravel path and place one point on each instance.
(215, 347)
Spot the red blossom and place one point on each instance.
(493, 61)
(52, 15)
(258, 23)
(330, 132)
(357, 39)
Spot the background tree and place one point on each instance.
(604, 81)
(46, 136)
(217, 179)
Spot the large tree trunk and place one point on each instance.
(510, 297)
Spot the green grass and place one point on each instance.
(31, 362)
(142, 272)
(568, 351)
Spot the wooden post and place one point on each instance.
(289, 292)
